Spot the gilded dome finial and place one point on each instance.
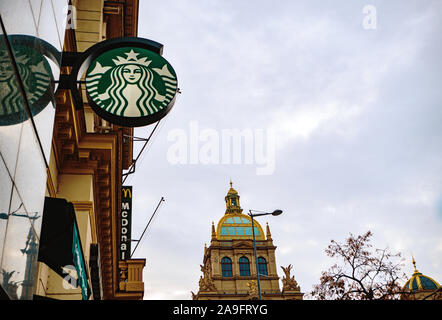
(414, 264)
(232, 200)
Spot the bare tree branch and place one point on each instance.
(364, 273)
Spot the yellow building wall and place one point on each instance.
(51, 285)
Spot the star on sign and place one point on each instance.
(131, 55)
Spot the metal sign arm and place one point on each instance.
(139, 240)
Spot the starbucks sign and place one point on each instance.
(130, 85)
(31, 57)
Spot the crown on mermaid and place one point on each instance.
(131, 59)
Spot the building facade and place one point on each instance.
(61, 158)
(229, 265)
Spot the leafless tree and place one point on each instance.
(361, 273)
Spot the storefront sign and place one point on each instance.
(30, 55)
(125, 222)
(130, 86)
(128, 82)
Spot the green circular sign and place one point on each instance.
(131, 86)
(36, 76)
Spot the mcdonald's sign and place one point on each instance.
(125, 222)
(126, 192)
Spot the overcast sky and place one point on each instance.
(354, 105)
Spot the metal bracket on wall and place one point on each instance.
(68, 81)
(134, 161)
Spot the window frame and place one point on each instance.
(226, 267)
(262, 266)
(244, 266)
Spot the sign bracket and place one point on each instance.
(138, 241)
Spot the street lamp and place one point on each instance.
(277, 212)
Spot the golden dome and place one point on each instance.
(418, 281)
(237, 227)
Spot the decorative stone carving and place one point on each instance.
(253, 289)
(123, 275)
(206, 283)
(288, 282)
(194, 296)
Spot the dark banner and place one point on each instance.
(126, 221)
(60, 245)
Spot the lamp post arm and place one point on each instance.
(259, 214)
(256, 258)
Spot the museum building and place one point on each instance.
(230, 270)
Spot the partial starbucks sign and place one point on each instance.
(30, 57)
(127, 81)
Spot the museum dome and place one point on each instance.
(238, 226)
(419, 282)
(234, 224)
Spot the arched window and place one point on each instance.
(244, 267)
(262, 266)
(226, 267)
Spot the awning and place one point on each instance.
(60, 244)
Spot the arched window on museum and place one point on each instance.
(226, 267)
(244, 267)
(262, 266)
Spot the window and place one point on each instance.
(226, 267)
(262, 266)
(229, 220)
(244, 267)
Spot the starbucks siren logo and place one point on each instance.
(36, 76)
(131, 83)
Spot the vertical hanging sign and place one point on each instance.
(126, 221)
